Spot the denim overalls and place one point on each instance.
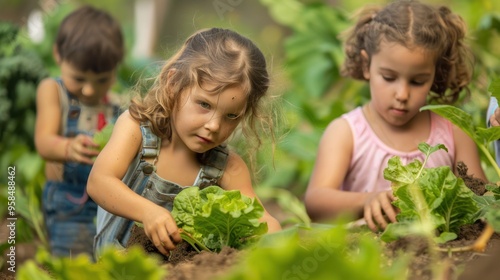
(68, 211)
(142, 178)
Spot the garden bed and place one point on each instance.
(186, 263)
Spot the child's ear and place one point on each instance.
(366, 64)
(55, 53)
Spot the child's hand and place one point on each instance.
(81, 149)
(379, 211)
(495, 118)
(161, 229)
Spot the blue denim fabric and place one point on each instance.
(142, 179)
(68, 211)
(69, 218)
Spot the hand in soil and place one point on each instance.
(161, 229)
(379, 211)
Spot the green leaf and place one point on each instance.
(319, 253)
(456, 116)
(400, 174)
(494, 88)
(219, 218)
(493, 215)
(432, 198)
(101, 138)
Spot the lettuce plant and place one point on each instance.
(429, 199)
(490, 206)
(212, 218)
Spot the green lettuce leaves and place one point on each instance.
(429, 199)
(217, 218)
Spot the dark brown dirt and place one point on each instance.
(185, 262)
(475, 184)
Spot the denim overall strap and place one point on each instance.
(213, 168)
(115, 230)
(73, 112)
(73, 172)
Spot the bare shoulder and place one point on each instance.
(126, 124)
(48, 88)
(235, 162)
(338, 132)
(122, 147)
(236, 175)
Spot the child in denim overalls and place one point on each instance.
(173, 138)
(70, 109)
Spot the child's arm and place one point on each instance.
(467, 152)
(50, 145)
(106, 188)
(237, 177)
(325, 200)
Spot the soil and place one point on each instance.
(185, 263)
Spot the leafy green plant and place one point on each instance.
(213, 218)
(319, 252)
(113, 264)
(429, 199)
(20, 72)
(482, 137)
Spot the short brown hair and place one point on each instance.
(90, 39)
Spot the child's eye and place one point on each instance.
(204, 105)
(389, 79)
(418, 83)
(103, 80)
(232, 116)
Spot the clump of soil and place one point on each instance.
(184, 261)
(475, 184)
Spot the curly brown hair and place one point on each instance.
(414, 24)
(216, 56)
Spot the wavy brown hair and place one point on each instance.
(414, 24)
(216, 56)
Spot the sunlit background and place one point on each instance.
(298, 38)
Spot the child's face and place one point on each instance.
(88, 87)
(204, 120)
(400, 80)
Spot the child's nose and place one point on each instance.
(88, 90)
(213, 124)
(403, 92)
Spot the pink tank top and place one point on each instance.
(371, 155)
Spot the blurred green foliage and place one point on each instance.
(300, 40)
